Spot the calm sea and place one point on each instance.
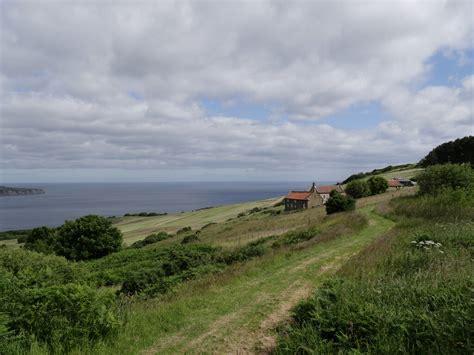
(68, 201)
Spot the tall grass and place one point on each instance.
(408, 292)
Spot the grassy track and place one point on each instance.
(237, 310)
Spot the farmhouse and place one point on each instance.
(316, 196)
(302, 199)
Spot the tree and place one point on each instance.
(339, 203)
(42, 240)
(88, 237)
(358, 188)
(459, 151)
(377, 185)
(438, 177)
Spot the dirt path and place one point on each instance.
(239, 315)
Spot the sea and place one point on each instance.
(66, 201)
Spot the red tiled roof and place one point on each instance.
(394, 183)
(299, 195)
(328, 188)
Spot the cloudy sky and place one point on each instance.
(227, 90)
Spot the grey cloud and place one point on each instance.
(67, 70)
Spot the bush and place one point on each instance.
(358, 189)
(339, 203)
(377, 185)
(184, 230)
(46, 297)
(42, 240)
(190, 239)
(88, 237)
(151, 239)
(295, 237)
(140, 280)
(438, 177)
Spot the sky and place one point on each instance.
(229, 90)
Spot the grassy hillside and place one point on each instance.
(405, 171)
(136, 228)
(237, 310)
(400, 173)
(393, 276)
(408, 292)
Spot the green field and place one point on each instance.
(136, 228)
(402, 173)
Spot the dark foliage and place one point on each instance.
(458, 151)
(144, 214)
(151, 239)
(192, 238)
(358, 188)
(43, 240)
(377, 185)
(7, 235)
(184, 230)
(339, 203)
(438, 177)
(88, 237)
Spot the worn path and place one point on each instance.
(237, 312)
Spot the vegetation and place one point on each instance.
(42, 240)
(339, 203)
(45, 298)
(145, 214)
(358, 189)
(408, 292)
(7, 235)
(151, 239)
(88, 237)
(359, 176)
(377, 185)
(458, 151)
(449, 176)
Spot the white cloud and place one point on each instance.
(68, 71)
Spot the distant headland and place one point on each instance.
(17, 191)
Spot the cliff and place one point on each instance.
(15, 191)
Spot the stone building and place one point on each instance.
(303, 199)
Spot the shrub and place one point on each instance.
(438, 177)
(190, 239)
(140, 280)
(88, 237)
(152, 238)
(358, 188)
(377, 185)
(339, 203)
(295, 237)
(45, 297)
(42, 240)
(184, 230)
